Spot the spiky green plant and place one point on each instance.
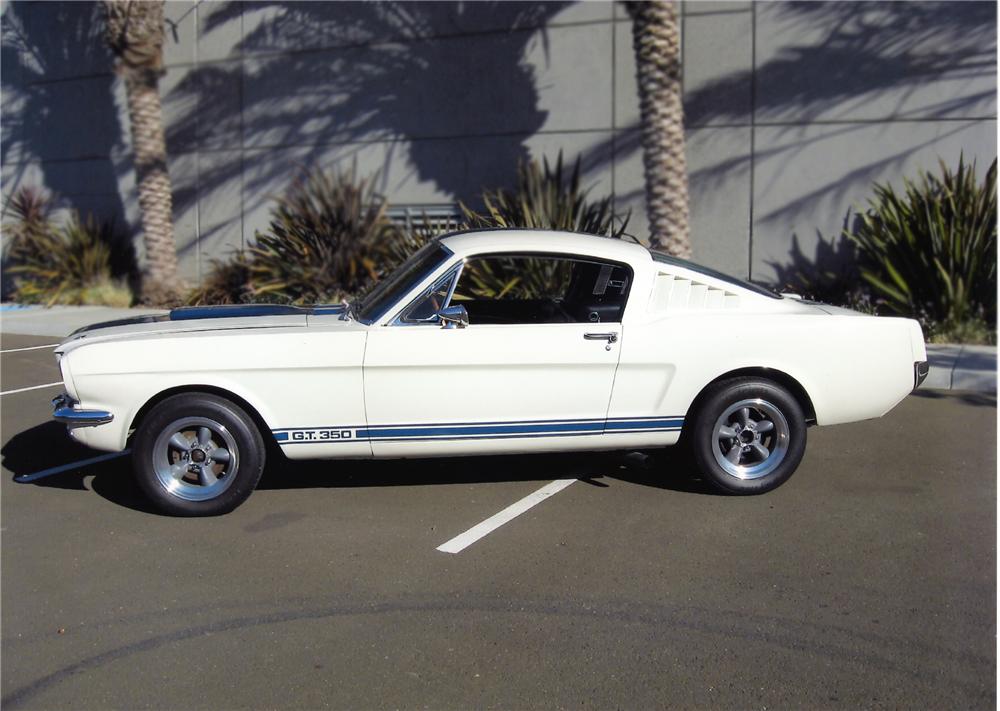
(85, 261)
(328, 237)
(32, 210)
(415, 235)
(931, 251)
(548, 198)
(227, 282)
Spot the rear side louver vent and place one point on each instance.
(675, 293)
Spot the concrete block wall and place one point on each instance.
(792, 109)
(795, 109)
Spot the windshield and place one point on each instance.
(400, 282)
(756, 288)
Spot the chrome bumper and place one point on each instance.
(64, 410)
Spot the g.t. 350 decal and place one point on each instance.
(319, 435)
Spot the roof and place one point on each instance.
(516, 240)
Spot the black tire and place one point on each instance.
(722, 410)
(216, 472)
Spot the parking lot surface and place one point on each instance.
(867, 580)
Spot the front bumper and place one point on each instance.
(920, 370)
(64, 410)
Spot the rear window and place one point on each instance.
(685, 264)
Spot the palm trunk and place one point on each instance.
(155, 199)
(135, 34)
(656, 41)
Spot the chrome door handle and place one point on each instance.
(609, 337)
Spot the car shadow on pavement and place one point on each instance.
(47, 446)
(662, 469)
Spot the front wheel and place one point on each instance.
(197, 454)
(749, 435)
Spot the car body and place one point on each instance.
(492, 342)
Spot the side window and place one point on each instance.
(515, 289)
(425, 308)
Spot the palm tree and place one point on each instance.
(656, 41)
(135, 34)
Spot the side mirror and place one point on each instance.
(453, 317)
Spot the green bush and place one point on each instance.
(84, 261)
(329, 236)
(227, 282)
(930, 252)
(546, 198)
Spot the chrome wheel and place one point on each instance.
(750, 439)
(195, 458)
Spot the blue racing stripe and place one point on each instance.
(644, 424)
(479, 430)
(432, 430)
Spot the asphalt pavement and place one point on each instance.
(868, 580)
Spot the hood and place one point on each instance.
(201, 318)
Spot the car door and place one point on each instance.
(532, 371)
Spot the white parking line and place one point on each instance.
(33, 387)
(69, 467)
(464, 540)
(29, 348)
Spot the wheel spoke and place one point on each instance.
(179, 441)
(751, 438)
(733, 455)
(195, 458)
(206, 475)
(727, 432)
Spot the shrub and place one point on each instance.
(930, 252)
(329, 237)
(546, 198)
(84, 261)
(228, 282)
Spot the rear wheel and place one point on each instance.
(749, 435)
(197, 454)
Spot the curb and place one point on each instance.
(962, 367)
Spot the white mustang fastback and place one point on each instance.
(487, 342)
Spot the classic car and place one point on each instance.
(485, 342)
